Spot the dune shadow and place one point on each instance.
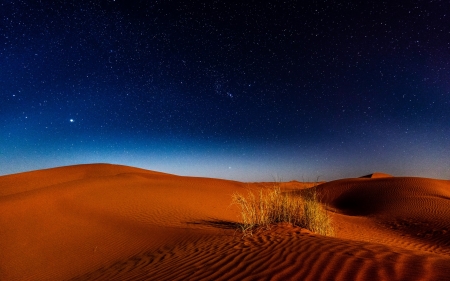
(223, 224)
(357, 203)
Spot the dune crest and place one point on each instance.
(377, 176)
(111, 222)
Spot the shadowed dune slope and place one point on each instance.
(110, 222)
(407, 211)
(390, 196)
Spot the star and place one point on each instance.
(71, 120)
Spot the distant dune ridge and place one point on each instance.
(377, 175)
(112, 222)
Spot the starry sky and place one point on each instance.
(248, 91)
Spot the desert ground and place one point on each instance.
(111, 222)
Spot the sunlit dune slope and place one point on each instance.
(17, 183)
(59, 222)
(110, 222)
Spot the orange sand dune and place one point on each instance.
(110, 222)
(377, 175)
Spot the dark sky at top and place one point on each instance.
(245, 90)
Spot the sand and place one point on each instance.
(110, 222)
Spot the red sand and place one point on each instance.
(109, 222)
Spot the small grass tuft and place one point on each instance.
(271, 206)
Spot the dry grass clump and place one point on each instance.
(271, 206)
(315, 216)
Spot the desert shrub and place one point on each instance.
(271, 206)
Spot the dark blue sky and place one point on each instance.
(240, 91)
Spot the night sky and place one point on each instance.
(248, 91)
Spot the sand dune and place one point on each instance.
(110, 222)
(377, 175)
